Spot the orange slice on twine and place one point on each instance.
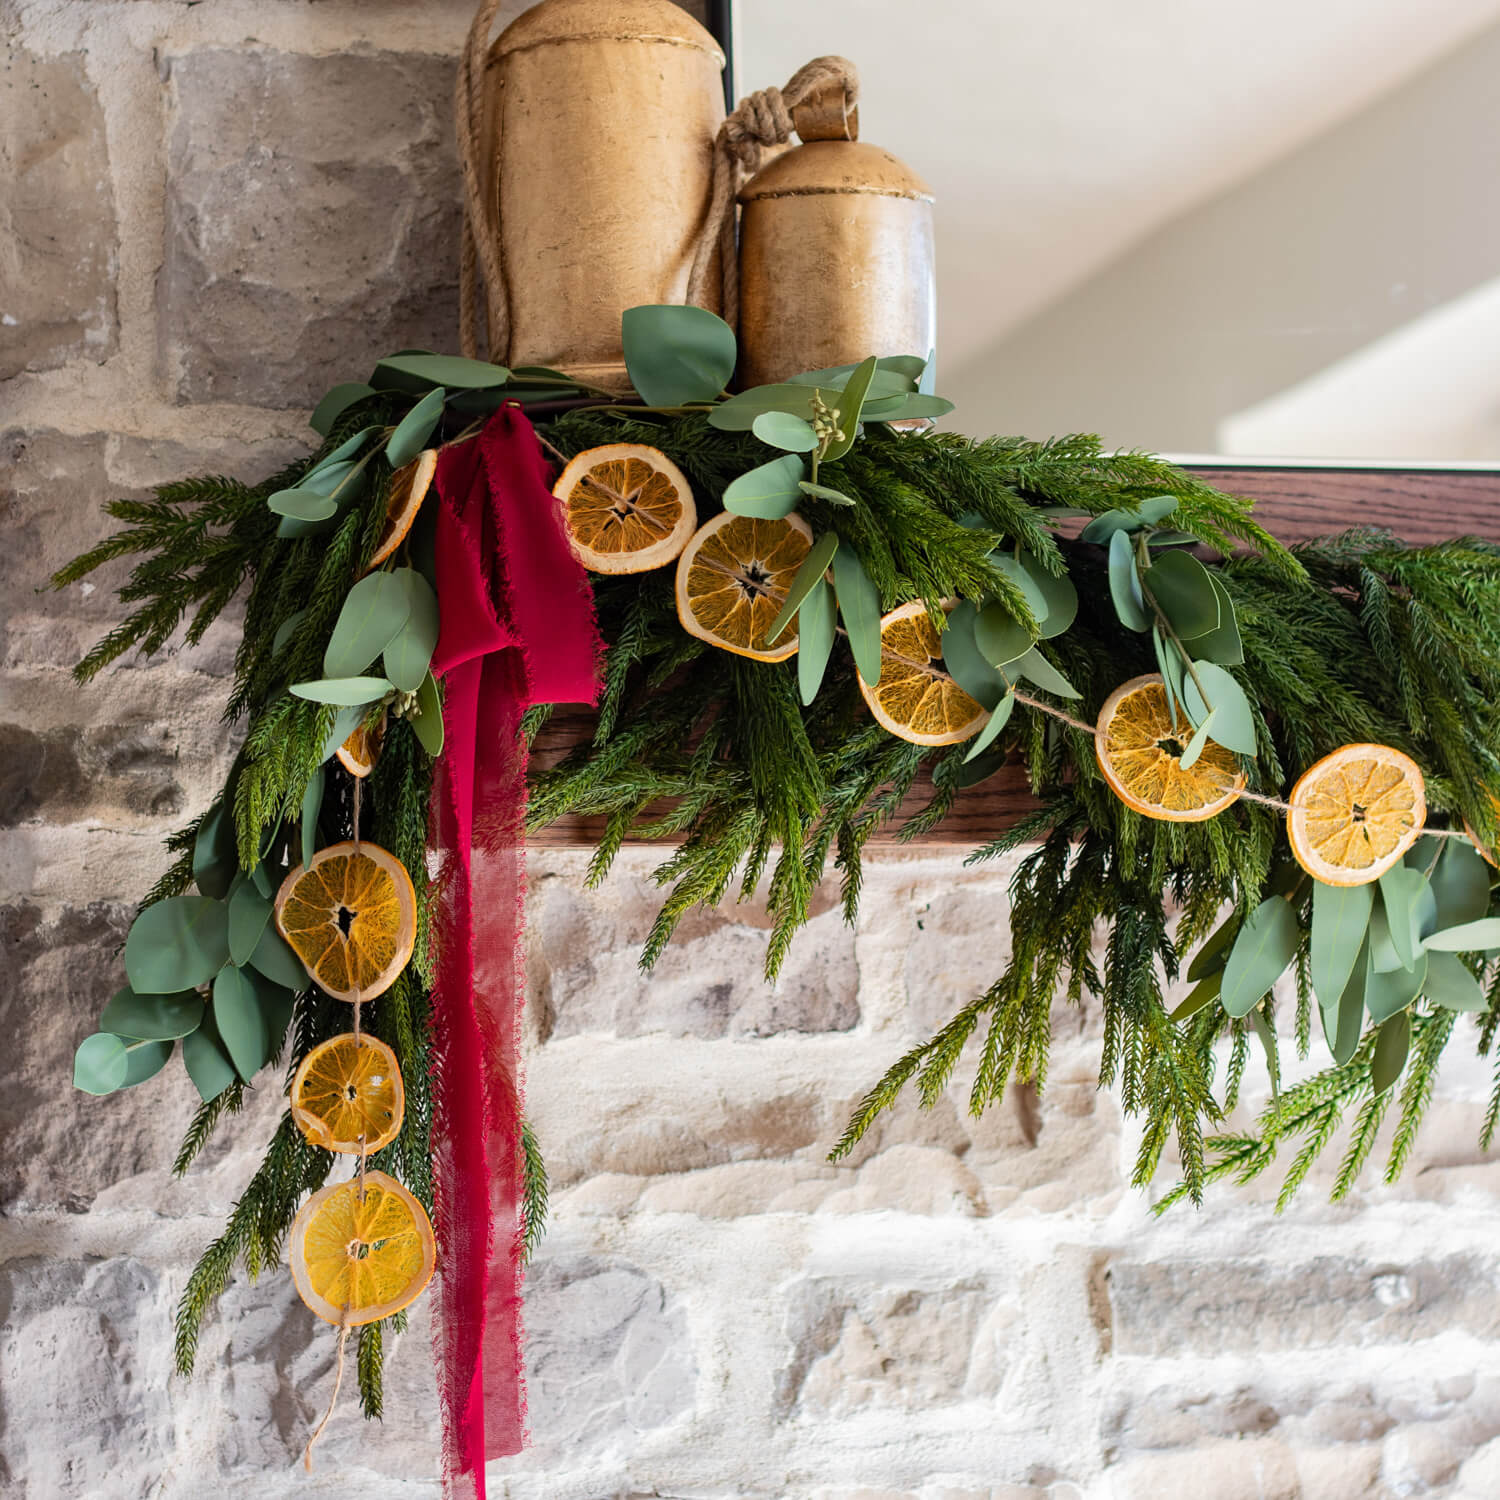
(916, 699)
(358, 754)
(409, 486)
(347, 1088)
(359, 1257)
(629, 508)
(1140, 749)
(733, 578)
(351, 917)
(1355, 813)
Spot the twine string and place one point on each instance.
(338, 1380)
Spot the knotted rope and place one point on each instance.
(759, 120)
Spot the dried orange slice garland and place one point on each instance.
(361, 1250)
(347, 1096)
(733, 578)
(1355, 813)
(916, 700)
(628, 508)
(351, 917)
(1140, 747)
(408, 489)
(359, 753)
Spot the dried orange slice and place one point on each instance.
(359, 1257)
(358, 754)
(1140, 748)
(1355, 813)
(351, 917)
(733, 578)
(629, 508)
(916, 699)
(409, 486)
(348, 1095)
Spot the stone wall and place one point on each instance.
(208, 213)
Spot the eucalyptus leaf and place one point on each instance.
(151, 1017)
(1263, 948)
(1340, 920)
(240, 1023)
(781, 429)
(1171, 539)
(1383, 955)
(286, 630)
(769, 491)
(332, 478)
(176, 945)
(1022, 578)
(414, 429)
(1451, 985)
(822, 492)
(998, 719)
(1038, 669)
(1124, 586)
(1482, 936)
(275, 958)
(1212, 956)
(1059, 597)
(849, 403)
(1221, 644)
(312, 805)
(1391, 1049)
(965, 663)
(409, 654)
(372, 615)
(1234, 726)
(895, 377)
(427, 724)
(249, 911)
(817, 625)
(677, 355)
(1194, 747)
(738, 414)
(1148, 513)
(809, 575)
(1393, 991)
(1182, 587)
(100, 1064)
(1205, 992)
(1169, 665)
(447, 370)
(335, 404)
(928, 381)
(206, 1060)
(345, 722)
(905, 408)
(342, 455)
(302, 505)
(1400, 895)
(1342, 1022)
(999, 636)
(215, 858)
(1460, 884)
(145, 1059)
(344, 692)
(859, 604)
(1268, 1045)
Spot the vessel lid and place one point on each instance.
(618, 20)
(836, 167)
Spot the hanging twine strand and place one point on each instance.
(338, 1380)
(759, 120)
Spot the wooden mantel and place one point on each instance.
(1419, 505)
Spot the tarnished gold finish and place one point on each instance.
(605, 113)
(836, 257)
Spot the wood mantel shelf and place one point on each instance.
(1420, 505)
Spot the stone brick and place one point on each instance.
(57, 215)
(312, 220)
(1175, 1307)
(63, 1147)
(855, 1346)
(608, 1355)
(584, 973)
(1258, 1469)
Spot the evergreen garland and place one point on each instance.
(1354, 638)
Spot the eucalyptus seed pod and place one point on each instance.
(602, 116)
(836, 252)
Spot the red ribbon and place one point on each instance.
(517, 629)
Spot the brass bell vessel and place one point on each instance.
(836, 252)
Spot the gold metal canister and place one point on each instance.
(836, 254)
(602, 117)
